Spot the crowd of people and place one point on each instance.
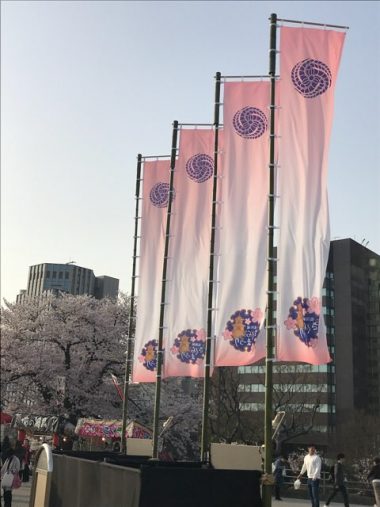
(312, 466)
(15, 465)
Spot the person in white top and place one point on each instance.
(312, 464)
(12, 465)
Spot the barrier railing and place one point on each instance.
(359, 488)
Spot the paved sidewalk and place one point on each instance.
(20, 497)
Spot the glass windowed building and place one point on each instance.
(67, 278)
(332, 393)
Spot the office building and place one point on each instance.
(67, 278)
(328, 395)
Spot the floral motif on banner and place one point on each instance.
(190, 346)
(311, 78)
(303, 319)
(148, 355)
(243, 328)
(200, 167)
(159, 194)
(250, 122)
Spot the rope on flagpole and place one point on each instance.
(206, 384)
(160, 350)
(128, 366)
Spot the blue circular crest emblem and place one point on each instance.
(159, 195)
(190, 346)
(200, 167)
(250, 122)
(148, 355)
(243, 328)
(311, 78)
(303, 319)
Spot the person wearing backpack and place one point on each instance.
(9, 470)
(338, 480)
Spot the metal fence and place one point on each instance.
(354, 488)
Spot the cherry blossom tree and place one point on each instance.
(57, 354)
(181, 401)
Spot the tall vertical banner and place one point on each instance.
(153, 226)
(189, 253)
(309, 66)
(242, 218)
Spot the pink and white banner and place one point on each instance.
(156, 177)
(309, 66)
(189, 255)
(242, 217)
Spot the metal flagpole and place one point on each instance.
(325, 25)
(128, 364)
(163, 294)
(206, 385)
(270, 331)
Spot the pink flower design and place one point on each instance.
(201, 334)
(247, 321)
(257, 315)
(227, 334)
(313, 343)
(290, 323)
(314, 305)
(174, 350)
(141, 359)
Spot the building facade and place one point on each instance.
(326, 396)
(67, 278)
(356, 272)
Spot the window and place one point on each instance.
(301, 388)
(48, 274)
(251, 388)
(251, 369)
(251, 406)
(66, 275)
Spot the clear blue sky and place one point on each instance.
(85, 86)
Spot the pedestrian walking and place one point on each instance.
(10, 468)
(339, 481)
(26, 461)
(374, 478)
(278, 472)
(20, 454)
(312, 464)
(5, 445)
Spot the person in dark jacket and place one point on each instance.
(5, 445)
(339, 480)
(26, 461)
(20, 454)
(375, 470)
(374, 475)
(278, 473)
